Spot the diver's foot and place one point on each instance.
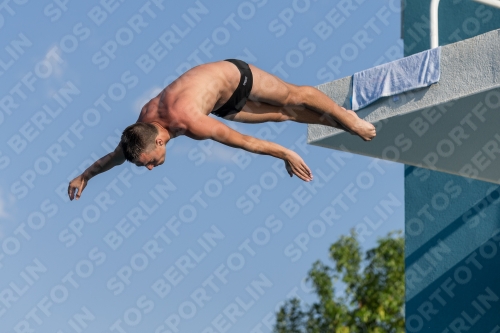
(362, 128)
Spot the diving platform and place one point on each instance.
(451, 126)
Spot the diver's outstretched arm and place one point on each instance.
(101, 165)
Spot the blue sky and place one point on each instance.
(216, 238)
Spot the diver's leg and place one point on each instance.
(270, 89)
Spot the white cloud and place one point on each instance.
(4, 214)
(145, 97)
(54, 63)
(53, 56)
(4, 204)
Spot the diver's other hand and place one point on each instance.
(77, 184)
(295, 165)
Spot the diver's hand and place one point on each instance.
(295, 165)
(79, 183)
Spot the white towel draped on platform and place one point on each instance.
(416, 71)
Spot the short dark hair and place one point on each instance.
(136, 139)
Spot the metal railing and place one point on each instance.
(434, 18)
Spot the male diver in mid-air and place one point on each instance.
(233, 90)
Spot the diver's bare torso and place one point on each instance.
(197, 92)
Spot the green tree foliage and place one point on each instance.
(372, 291)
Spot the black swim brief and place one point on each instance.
(236, 102)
